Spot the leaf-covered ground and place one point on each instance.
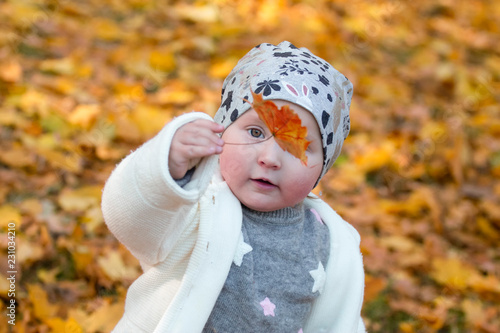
(84, 82)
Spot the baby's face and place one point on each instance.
(263, 176)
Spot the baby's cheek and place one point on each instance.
(300, 184)
(297, 192)
(231, 164)
(229, 169)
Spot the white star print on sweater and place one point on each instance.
(319, 276)
(242, 249)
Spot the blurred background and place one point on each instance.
(82, 83)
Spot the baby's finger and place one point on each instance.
(211, 125)
(201, 134)
(204, 124)
(197, 151)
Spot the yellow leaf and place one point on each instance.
(9, 214)
(382, 90)
(375, 156)
(126, 128)
(48, 276)
(42, 308)
(64, 66)
(486, 228)
(93, 218)
(485, 284)
(17, 157)
(114, 267)
(11, 117)
(59, 325)
(435, 316)
(80, 199)
(451, 272)
(104, 319)
(27, 251)
(435, 131)
(33, 102)
(474, 312)
(221, 69)
(407, 327)
(492, 210)
(269, 12)
(72, 326)
(84, 115)
(11, 71)
(180, 97)
(163, 61)
(399, 243)
(373, 287)
(31, 206)
(25, 14)
(107, 29)
(63, 85)
(176, 92)
(4, 285)
(129, 92)
(349, 177)
(70, 161)
(149, 119)
(82, 257)
(201, 13)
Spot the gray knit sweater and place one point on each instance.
(281, 272)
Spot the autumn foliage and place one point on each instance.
(82, 83)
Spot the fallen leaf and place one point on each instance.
(80, 199)
(84, 115)
(149, 119)
(485, 284)
(474, 312)
(112, 264)
(103, 319)
(373, 287)
(285, 126)
(82, 257)
(11, 71)
(197, 13)
(162, 61)
(64, 326)
(220, 69)
(42, 308)
(63, 66)
(9, 214)
(451, 272)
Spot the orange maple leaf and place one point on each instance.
(285, 126)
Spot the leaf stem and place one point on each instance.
(246, 144)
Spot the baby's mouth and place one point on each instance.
(264, 182)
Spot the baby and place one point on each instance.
(222, 220)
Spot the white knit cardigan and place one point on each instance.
(186, 238)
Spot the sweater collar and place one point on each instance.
(284, 216)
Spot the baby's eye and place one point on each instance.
(256, 133)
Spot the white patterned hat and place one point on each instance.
(285, 72)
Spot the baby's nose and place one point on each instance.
(270, 154)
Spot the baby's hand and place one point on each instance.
(191, 142)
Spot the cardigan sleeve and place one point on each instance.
(142, 204)
(361, 326)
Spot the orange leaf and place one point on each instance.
(285, 125)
